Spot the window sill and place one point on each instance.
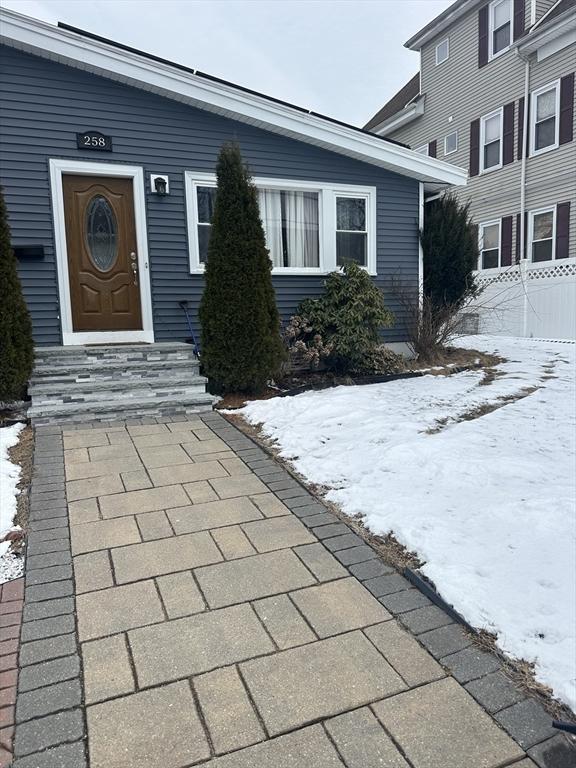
(494, 56)
(544, 150)
(493, 168)
(296, 272)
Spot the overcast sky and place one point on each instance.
(343, 58)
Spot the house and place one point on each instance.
(108, 158)
(107, 162)
(495, 96)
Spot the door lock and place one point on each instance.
(134, 266)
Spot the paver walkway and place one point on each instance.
(212, 624)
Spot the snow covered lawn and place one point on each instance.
(9, 477)
(489, 504)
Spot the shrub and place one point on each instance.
(347, 318)
(450, 250)
(306, 348)
(381, 360)
(16, 347)
(450, 254)
(241, 344)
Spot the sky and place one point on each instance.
(342, 58)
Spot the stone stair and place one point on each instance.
(123, 381)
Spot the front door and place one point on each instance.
(102, 255)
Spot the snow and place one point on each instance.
(488, 504)
(9, 477)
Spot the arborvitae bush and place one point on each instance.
(16, 347)
(450, 249)
(348, 318)
(241, 344)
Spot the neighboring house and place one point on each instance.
(495, 95)
(107, 162)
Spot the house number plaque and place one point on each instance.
(94, 140)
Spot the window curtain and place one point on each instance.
(301, 223)
(270, 201)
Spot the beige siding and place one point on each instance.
(542, 6)
(458, 92)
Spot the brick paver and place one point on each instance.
(188, 602)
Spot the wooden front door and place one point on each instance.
(102, 255)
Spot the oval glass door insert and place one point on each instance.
(101, 233)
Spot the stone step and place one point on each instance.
(45, 387)
(121, 407)
(91, 371)
(125, 354)
(146, 351)
(65, 397)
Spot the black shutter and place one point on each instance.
(520, 147)
(566, 109)
(432, 148)
(562, 230)
(518, 235)
(483, 36)
(474, 168)
(519, 19)
(508, 138)
(506, 242)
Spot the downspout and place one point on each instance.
(420, 249)
(525, 144)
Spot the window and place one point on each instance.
(442, 51)
(451, 143)
(351, 231)
(291, 225)
(544, 118)
(500, 30)
(423, 150)
(489, 244)
(205, 197)
(491, 141)
(309, 227)
(542, 234)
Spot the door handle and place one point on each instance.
(134, 265)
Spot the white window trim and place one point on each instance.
(421, 149)
(483, 119)
(72, 166)
(491, 30)
(531, 216)
(533, 96)
(447, 41)
(327, 194)
(451, 152)
(481, 227)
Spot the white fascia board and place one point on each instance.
(440, 23)
(98, 57)
(551, 38)
(405, 116)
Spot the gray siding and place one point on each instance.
(44, 104)
(458, 92)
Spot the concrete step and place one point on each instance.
(121, 407)
(116, 369)
(45, 387)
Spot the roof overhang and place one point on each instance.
(445, 19)
(165, 79)
(403, 117)
(551, 38)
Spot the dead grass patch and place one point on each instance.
(21, 454)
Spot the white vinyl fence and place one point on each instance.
(530, 300)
